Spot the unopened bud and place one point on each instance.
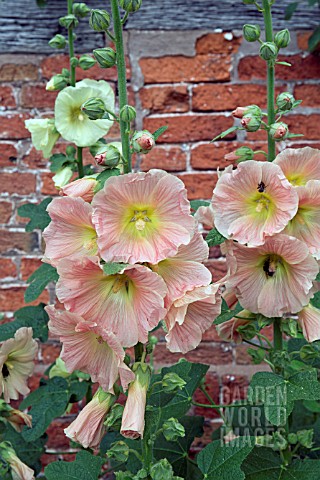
(74, 62)
(279, 131)
(251, 32)
(58, 41)
(99, 20)
(62, 177)
(172, 383)
(94, 108)
(80, 9)
(58, 82)
(239, 112)
(119, 451)
(161, 470)
(172, 430)
(69, 21)
(282, 38)
(114, 415)
(128, 114)
(268, 51)
(143, 142)
(109, 158)
(86, 62)
(251, 123)
(285, 101)
(130, 6)
(106, 57)
(240, 155)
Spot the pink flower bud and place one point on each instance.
(232, 157)
(82, 188)
(280, 132)
(146, 142)
(100, 158)
(239, 112)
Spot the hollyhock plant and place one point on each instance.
(88, 428)
(72, 123)
(18, 469)
(88, 347)
(43, 133)
(190, 316)
(133, 422)
(309, 319)
(16, 363)
(16, 418)
(71, 231)
(253, 202)
(128, 304)
(299, 165)
(83, 188)
(229, 330)
(282, 270)
(142, 217)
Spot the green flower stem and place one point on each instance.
(212, 402)
(220, 406)
(122, 82)
(71, 48)
(270, 78)
(277, 334)
(80, 162)
(257, 346)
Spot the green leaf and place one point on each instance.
(315, 300)
(39, 280)
(226, 313)
(111, 268)
(278, 395)
(314, 40)
(159, 132)
(195, 204)
(226, 132)
(85, 467)
(223, 462)
(39, 217)
(214, 238)
(294, 135)
(58, 160)
(296, 103)
(103, 177)
(35, 317)
(286, 64)
(290, 9)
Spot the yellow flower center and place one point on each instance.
(262, 204)
(140, 218)
(297, 179)
(120, 281)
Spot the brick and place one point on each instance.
(54, 64)
(212, 387)
(18, 183)
(242, 355)
(173, 99)
(7, 269)
(12, 298)
(303, 38)
(5, 212)
(8, 155)
(217, 43)
(210, 156)
(36, 96)
(50, 352)
(7, 99)
(199, 185)
(211, 335)
(308, 125)
(202, 68)
(56, 435)
(48, 187)
(218, 269)
(17, 241)
(189, 128)
(226, 97)
(12, 72)
(234, 387)
(301, 68)
(309, 94)
(206, 353)
(34, 159)
(172, 159)
(12, 126)
(28, 266)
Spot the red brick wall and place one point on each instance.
(194, 96)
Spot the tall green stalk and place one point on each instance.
(122, 82)
(71, 48)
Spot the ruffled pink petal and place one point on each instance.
(299, 165)
(71, 231)
(309, 319)
(142, 217)
(83, 188)
(205, 216)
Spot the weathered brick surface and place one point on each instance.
(8, 155)
(173, 99)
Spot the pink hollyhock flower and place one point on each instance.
(299, 165)
(228, 331)
(16, 418)
(309, 319)
(83, 188)
(132, 425)
(71, 232)
(305, 225)
(19, 470)
(89, 348)
(16, 363)
(190, 316)
(275, 278)
(142, 217)
(253, 202)
(128, 304)
(204, 215)
(185, 271)
(88, 428)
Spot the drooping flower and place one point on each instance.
(184, 271)
(44, 134)
(89, 348)
(16, 418)
(71, 231)
(72, 123)
(253, 202)
(16, 363)
(309, 319)
(275, 278)
(19, 470)
(128, 304)
(88, 428)
(190, 316)
(142, 217)
(83, 188)
(229, 330)
(305, 225)
(299, 165)
(133, 422)
(205, 216)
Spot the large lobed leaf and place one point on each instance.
(85, 467)
(35, 317)
(39, 217)
(44, 275)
